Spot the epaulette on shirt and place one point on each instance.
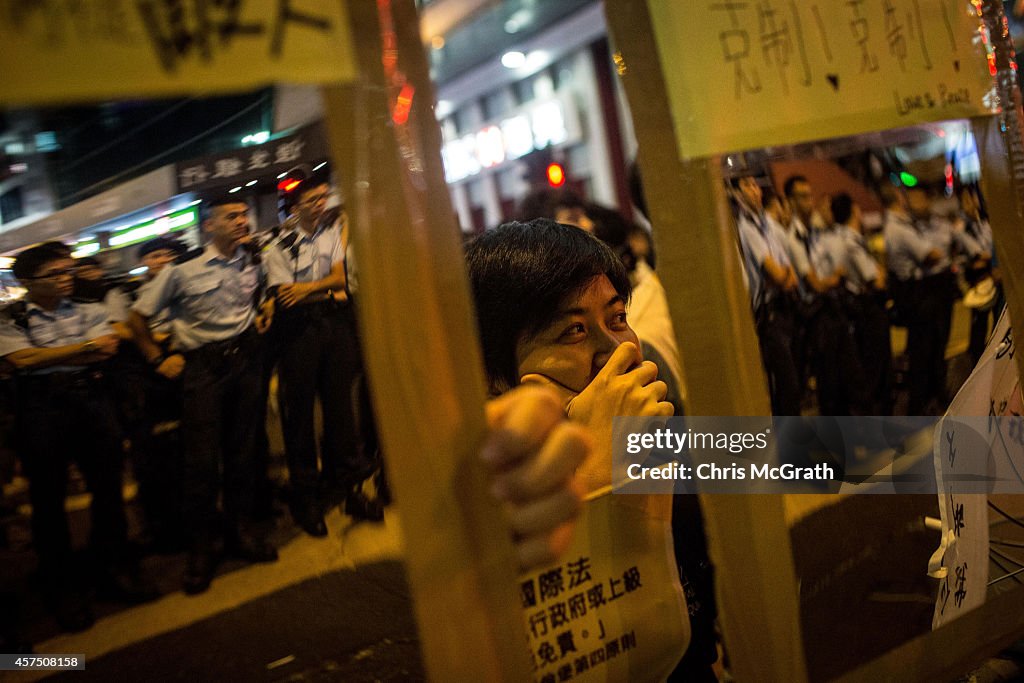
(287, 241)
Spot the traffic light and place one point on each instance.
(286, 184)
(542, 169)
(555, 174)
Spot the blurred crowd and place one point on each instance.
(826, 292)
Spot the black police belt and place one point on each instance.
(224, 348)
(59, 380)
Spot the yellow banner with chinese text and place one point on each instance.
(56, 51)
(743, 74)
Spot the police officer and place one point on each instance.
(212, 303)
(939, 287)
(319, 356)
(866, 287)
(909, 253)
(157, 441)
(816, 324)
(772, 283)
(837, 362)
(64, 412)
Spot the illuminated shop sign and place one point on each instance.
(133, 234)
(535, 127)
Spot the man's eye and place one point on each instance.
(619, 319)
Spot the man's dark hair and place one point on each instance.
(31, 261)
(612, 228)
(308, 184)
(162, 242)
(768, 195)
(522, 274)
(220, 199)
(842, 208)
(88, 261)
(791, 182)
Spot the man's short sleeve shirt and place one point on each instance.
(69, 323)
(209, 299)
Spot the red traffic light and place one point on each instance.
(556, 175)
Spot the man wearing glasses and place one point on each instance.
(319, 357)
(57, 348)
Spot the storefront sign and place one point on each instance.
(241, 166)
(101, 49)
(743, 74)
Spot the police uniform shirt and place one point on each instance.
(210, 298)
(828, 251)
(117, 304)
(795, 238)
(905, 248)
(975, 239)
(160, 322)
(793, 244)
(861, 267)
(307, 259)
(939, 234)
(69, 323)
(758, 242)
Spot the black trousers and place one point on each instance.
(775, 332)
(874, 344)
(320, 356)
(219, 421)
(65, 417)
(159, 456)
(928, 330)
(696, 574)
(836, 361)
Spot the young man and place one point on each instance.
(57, 348)
(773, 284)
(214, 319)
(866, 288)
(910, 256)
(836, 361)
(157, 445)
(817, 318)
(319, 356)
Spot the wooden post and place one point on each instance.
(1001, 149)
(421, 349)
(700, 267)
